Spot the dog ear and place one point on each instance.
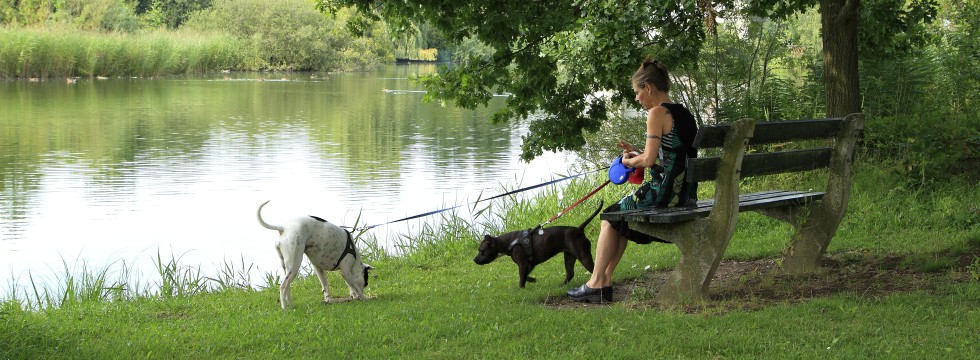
(367, 273)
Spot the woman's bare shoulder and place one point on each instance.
(659, 112)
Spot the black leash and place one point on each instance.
(365, 228)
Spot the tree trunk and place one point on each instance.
(839, 19)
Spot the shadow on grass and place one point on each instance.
(753, 285)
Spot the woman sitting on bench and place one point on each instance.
(670, 128)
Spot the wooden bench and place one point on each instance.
(702, 231)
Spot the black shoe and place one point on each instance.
(592, 295)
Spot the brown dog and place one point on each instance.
(531, 247)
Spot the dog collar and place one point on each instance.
(348, 249)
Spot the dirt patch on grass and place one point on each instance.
(752, 285)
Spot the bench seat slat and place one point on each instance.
(747, 202)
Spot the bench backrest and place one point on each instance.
(767, 163)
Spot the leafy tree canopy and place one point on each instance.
(555, 57)
(888, 27)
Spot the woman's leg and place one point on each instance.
(614, 262)
(609, 249)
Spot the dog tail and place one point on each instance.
(265, 224)
(587, 221)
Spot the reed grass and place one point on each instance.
(232, 276)
(55, 52)
(178, 280)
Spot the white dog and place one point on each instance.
(327, 246)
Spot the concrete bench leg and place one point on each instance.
(815, 230)
(702, 247)
(815, 226)
(702, 242)
(811, 239)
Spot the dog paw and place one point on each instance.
(531, 279)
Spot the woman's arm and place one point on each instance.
(658, 123)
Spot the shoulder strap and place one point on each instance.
(687, 128)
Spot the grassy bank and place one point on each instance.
(53, 52)
(435, 302)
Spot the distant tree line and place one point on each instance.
(269, 34)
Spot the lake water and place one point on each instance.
(107, 173)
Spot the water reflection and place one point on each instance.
(104, 171)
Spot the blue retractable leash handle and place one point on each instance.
(619, 173)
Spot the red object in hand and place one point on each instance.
(636, 176)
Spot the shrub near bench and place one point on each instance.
(702, 231)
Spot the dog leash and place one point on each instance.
(366, 228)
(573, 205)
(524, 239)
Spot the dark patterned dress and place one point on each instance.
(665, 186)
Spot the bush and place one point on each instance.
(286, 35)
(925, 148)
(171, 14)
(97, 15)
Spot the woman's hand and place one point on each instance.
(627, 147)
(629, 151)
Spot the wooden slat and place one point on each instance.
(700, 205)
(702, 169)
(747, 202)
(798, 199)
(783, 131)
(785, 161)
(706, 169)
(773, 132)
(711, 136)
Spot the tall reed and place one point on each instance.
(57, 52)
(232, 276)
(177, 280)
(75, 285)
